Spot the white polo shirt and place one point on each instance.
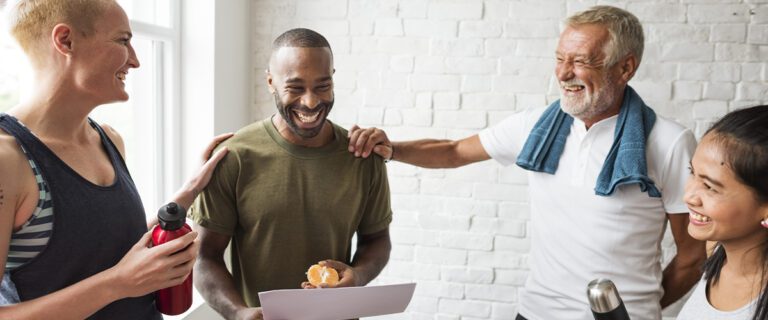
(577, 236)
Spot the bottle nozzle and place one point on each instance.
(171, 216)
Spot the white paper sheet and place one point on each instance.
(335, 303)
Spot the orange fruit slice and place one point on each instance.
(318, 274)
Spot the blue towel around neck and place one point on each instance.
(625, 162)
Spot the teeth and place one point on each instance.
(121, 76)
(307, 118)
(700, 218)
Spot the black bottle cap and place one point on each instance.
(171, 216)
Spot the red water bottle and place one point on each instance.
(172, 224)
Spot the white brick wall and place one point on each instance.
(448, 68)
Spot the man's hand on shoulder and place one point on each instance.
(364, 141)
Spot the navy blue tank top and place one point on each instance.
(94, 226)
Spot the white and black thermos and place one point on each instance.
(605, 301)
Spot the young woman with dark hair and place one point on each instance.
(727, 195)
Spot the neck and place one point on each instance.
(611, 110)
(321, 139)
(55, 110)
(745, 257)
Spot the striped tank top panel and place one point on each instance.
(31, 239)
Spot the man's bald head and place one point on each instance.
(298, 38)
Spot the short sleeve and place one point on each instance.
(504, 140)
(675, 172)
(216, 207)
(377, 213)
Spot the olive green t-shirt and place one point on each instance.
(288, 207)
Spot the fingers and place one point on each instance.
(351, 130)
(214, 160)
(307, 285)
(369, 146)
(383, 151)
(362, 139)
(339, 266)
(215, 142)
(144, 241)
(353, 134)
(346, 282)
(151, 223)
(176, 245)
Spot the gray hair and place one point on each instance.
(624, 28)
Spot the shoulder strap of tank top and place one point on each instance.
(114, 153)
(11, 125)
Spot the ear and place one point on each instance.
(270, 85)
(61, 37)
(628, 67)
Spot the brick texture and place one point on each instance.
(449, 68)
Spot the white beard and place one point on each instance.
(589, 105)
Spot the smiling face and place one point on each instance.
(721, 207)
(100, 62)
(589, 90)
(301, 80)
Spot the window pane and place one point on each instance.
(14, 73)
(136, 120)
(157, 12)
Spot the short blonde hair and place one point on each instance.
(626, 32)
(30, 21)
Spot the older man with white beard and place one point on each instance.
(605, 175)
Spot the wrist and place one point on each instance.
(185, 196)
(111, 285)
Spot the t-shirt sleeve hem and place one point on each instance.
(212, 226)
(677, 210)
(381, 225)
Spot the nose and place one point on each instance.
(310, 100)
(133, 60)
(564, 70)
(691, 196)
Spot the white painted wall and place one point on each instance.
(449, 68)
(215, 85)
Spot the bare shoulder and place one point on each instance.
(11, 157)
(14, 173)
(116, 138)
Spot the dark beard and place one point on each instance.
(285, 112)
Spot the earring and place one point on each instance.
(764, 223)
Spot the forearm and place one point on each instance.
(77, 301)
(185, 196)
(678, 279)
(371, 257)
(216, 285)
(429, 153)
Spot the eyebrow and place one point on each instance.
(299, 80)
(706, 177)
(578, 55)
(128, 33)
